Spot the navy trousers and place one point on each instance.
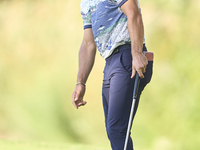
(117, 94)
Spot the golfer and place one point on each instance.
(115, 27)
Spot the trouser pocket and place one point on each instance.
(126, 61)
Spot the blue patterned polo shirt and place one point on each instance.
(108, 23)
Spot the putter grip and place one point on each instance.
(149, 55)
(136, 85)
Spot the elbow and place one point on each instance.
(88, 47)
(134, 15)
(91, 46)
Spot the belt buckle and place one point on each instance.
(116, 51)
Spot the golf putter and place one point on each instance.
(149, 56)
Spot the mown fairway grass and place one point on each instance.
(22, 145)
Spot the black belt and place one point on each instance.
(116, 50)
(123, 47)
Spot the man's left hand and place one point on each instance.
(139, 64)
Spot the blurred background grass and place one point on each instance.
(39, 43)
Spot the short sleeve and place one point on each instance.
(119, 2)
(86, 14)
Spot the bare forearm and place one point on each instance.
(86, 60)
(136, 32)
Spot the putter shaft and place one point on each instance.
(136, 85)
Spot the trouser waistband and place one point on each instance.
(125, 47)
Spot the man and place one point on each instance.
(116, 28)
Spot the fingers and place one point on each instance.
(81, 103)
(74, 99)
(141, 75)
(140, 72)
(139, 63)
(77, 96)
(77, 100)
(133, 72)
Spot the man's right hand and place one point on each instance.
(77, 96)
(86, 61)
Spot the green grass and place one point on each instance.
(22, 145)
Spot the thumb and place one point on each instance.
(133, 72)
(76, 97)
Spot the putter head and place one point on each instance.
(149, 55)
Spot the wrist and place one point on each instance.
(136, 49)
(136, 54)
(81, 83)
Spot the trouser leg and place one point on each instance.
(117, 99)
(120, 99)
(105, 98)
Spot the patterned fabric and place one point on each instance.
(108, 23)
